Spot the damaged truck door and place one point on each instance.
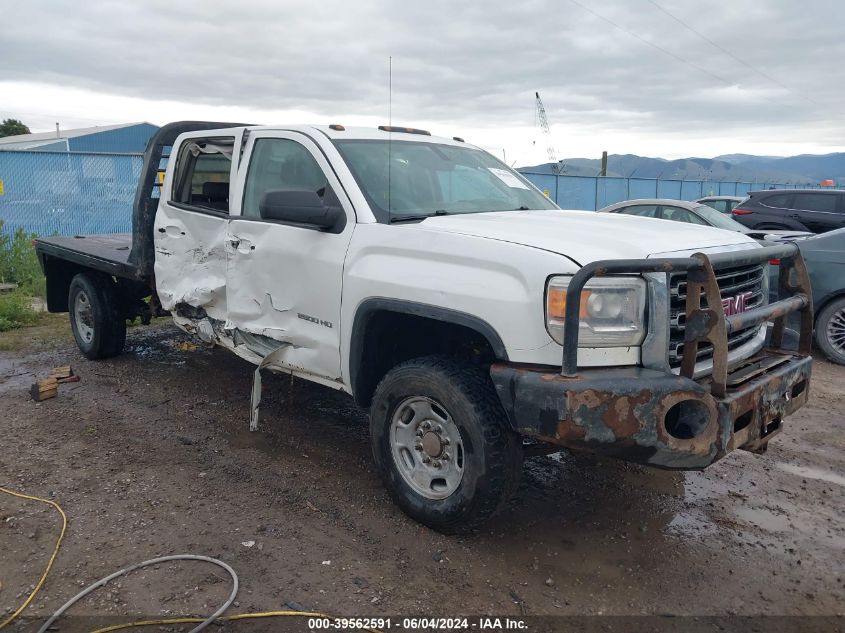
(191, 228)
(285, 265)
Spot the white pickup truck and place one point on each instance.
(474, 318)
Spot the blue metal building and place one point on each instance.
(125, 138)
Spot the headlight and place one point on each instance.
(611, 312)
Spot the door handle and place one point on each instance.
(240, 244)
(163, 229)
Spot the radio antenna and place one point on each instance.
(390, 127)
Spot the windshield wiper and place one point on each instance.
(416, 218)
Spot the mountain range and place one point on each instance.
(803, 169)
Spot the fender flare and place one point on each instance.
(367, 308)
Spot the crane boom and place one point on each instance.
(547, 132)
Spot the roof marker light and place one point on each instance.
(404, 130)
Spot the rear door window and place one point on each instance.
(678, 214)
(778, 201)
(203, 171)
(824, 202)
(720, 205)
(644, 210)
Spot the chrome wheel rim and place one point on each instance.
(83, 316)
(426, 447)
(836, 331)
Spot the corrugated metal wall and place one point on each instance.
(128, 140)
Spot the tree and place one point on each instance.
(12, 127)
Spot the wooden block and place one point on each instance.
(73, 378)
(44, 389)
(66, 371)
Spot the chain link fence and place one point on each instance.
(68, 193)
(594, 192)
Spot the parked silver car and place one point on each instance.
(722, 204)
(695, 213)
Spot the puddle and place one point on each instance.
(160, 348)
(692, 523)
(811, 473)
(771, 520)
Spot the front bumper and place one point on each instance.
(649, 417)
(656, 417)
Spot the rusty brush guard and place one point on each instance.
(706, 324)
(659, 417)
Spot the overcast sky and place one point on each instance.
(624, 76)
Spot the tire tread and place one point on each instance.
(503, 446)
(111, 337)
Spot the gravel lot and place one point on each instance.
(149, 454)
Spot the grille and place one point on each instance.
(732, 281)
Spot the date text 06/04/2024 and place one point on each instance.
(418, 624)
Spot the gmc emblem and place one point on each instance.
(737, 304)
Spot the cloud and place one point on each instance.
(472, 65)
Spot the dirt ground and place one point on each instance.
(150, 454)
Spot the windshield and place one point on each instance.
(406, 179)
(719, 220)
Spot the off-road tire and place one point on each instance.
(492, 451)
(106, 318)
(833, 310)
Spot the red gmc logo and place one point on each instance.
(737, 304)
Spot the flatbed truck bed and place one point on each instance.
(108, 258)
(105, 253)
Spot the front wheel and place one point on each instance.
(830, 331)
(442, 443)
(96, 319)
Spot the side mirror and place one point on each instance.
(300, 207)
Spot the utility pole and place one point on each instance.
(603, 171)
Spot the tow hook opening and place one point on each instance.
(743, 421)
(798, 389)
(771, 427)
(686, 419)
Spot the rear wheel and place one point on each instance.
(96, 319)
(830, 331)
(442, 443)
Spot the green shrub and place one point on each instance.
(16, 310)
(19, 263)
